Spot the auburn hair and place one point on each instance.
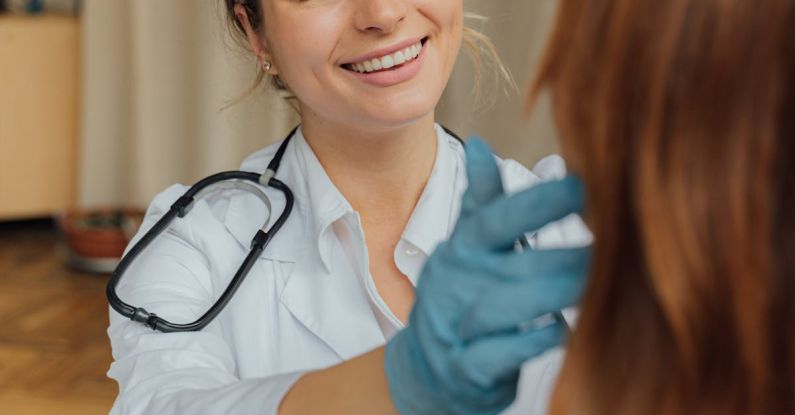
(680, 117)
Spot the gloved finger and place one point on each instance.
(523, 265)
(492, 360)
(500, 224)
(485, 183)
(510, 307)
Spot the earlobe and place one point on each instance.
(266, 64)
(255, 41)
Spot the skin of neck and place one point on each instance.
(381, 172)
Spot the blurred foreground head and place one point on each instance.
(680, 116)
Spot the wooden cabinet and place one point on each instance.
(39, 113)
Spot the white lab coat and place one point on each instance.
(309, 301)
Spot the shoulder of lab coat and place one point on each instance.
(539, 375)
(568, 232)
(228, 367)
(191, 372)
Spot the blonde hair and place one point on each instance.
(484, 56)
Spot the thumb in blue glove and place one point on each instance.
(468, 334)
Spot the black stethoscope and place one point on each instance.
(180, 208)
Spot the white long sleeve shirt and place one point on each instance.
(308, 303)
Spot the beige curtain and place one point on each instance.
(158, 73)
(519, 30)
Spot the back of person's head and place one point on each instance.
(680, 117)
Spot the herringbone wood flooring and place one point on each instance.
(53, 348)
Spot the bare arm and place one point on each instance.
(358, 386)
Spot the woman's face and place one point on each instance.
(369, 63)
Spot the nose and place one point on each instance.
(381, 16)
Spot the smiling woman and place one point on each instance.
(479, 47)
(377, 185)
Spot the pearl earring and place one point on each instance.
(266, 65)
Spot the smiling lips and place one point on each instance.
(387, 62)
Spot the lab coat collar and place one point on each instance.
(242, 217)
(322, 203)
(287, 245)
(326, 203)
(331, 305)
(318, 203)
(312, 294)
(424, 229)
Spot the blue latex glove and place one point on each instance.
(480, 302)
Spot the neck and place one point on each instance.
(383, 172)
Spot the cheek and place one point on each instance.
(448, 17)
(301, 42)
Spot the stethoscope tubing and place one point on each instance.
(179, 209)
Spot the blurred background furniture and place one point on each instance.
(39, 87)
(53, 347)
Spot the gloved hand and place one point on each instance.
(480, 302)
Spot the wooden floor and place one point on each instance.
(53, 348)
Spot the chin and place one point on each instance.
(388, 119)
(401, 112)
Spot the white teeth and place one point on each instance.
(399, 58)
(389, 61)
